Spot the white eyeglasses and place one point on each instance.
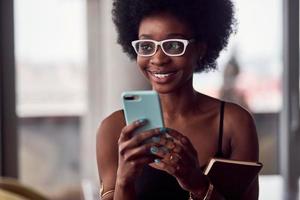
(171, 47)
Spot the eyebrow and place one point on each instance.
(168, 36)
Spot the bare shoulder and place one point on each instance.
(240, 126)
(107, 148)
(236, 113)
(110, 127)
(109, 131)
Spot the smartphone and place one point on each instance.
(144, 104)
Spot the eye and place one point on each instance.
(173, 46)
(146, 46)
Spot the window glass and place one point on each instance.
(50, 71)
(250, 70)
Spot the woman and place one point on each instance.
(171, 40)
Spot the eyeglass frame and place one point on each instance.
(160, 43)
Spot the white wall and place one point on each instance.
(110, 73)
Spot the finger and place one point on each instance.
(165, 142)
(140, 151)
(158, 151)
(170, 157)
(183, 141)
(127, 131)
(140, 162)
(163, 137)
(174, 134)
(175, 169)
(177, 148)
(172, 144)
(138, 140)
(169, 145)
(184, 152)
(173, 158)
(164, 166)
(144, 137)
(183, 157)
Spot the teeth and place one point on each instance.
(161, 75)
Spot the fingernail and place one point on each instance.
(154, 150)
(157, 160)
(163, 130)
(156, 139)
(141, 121)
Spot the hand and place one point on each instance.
(179, 158)
(134, 152)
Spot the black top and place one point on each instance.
(155, 184)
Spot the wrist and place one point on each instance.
(124, 190)
(202, 194)
(199, 193)
(123, 183)
(200, 183)
(207, 195)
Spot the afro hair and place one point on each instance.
(212, 22)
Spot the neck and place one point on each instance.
(179, 103)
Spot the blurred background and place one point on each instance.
(69, 74)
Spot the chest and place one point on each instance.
(205, 135)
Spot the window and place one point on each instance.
(50, 39)
(250, 72)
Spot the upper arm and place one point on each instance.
(244, 142)
(243, 135)
(107, 150)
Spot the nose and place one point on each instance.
(159, 58)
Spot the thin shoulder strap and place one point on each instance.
(220, 153)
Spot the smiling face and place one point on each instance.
(168, 74)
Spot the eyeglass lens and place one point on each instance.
(173, 47)
(145, 47)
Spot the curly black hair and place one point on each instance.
(212, 22)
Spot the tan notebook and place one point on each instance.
(231, 177)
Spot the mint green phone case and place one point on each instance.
(143, 105)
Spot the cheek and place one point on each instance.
(142, 62)
(189, 63)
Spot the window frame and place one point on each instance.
(289, 137)
(8, 125)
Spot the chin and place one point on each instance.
(164, 89)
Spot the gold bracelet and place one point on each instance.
(106, 193)
(102, 193)
(207, 195)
